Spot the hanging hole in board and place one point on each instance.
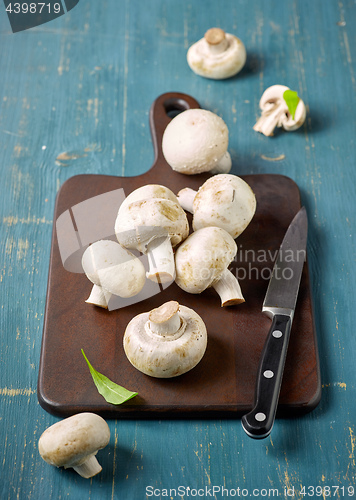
(174, 107)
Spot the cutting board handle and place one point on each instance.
(163, 110)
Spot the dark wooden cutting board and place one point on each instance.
(222, 385)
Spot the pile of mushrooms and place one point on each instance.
(151, 221)
(224, 200)
(167, 341)
(196, 141)
(275, 112)
(113, 270)
(74, 442)
(218, 55)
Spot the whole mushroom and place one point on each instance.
(74, 442)
(151, 220)
(276, 113)
(167, 341)
(218, 55)
(196, 141)
(224, 200)
(202, 262)
(113, 270)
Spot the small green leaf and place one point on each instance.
(111, 392)
(292, 99)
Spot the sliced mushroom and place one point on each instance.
(202, 262)
(196, 141)
(152, 221)
(218, 55)
(224, 200)
(74, 442)
(167, 341)
(113, 270)
(275, 112)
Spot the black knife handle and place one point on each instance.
(258, 423)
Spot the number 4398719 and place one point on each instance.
(33, 8)
(327, 491)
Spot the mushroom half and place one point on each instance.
(167, 341)
(202, 262)
(196, 141)
(276, 113)
(151, 221)
(218, 55)
(74, 442)
(224, 200)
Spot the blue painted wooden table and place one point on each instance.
(74, 98)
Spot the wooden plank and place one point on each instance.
(223, 383)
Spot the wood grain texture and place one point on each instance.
(74, 99)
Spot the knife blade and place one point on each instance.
(279, 304)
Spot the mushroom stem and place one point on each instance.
(269, 121)
(228, 289)
(99, 297)
(216, 40)
(165, 320)
(186, 197)
(160, 260)
(223, 166)
(89, 468)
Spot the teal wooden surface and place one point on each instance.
(74, 98)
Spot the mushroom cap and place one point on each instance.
(140, 222)
(203, 257)
(273, 94)
(165, 357)
(273, 97)
(149, 191)
(217, 65)
(225, 201)
(71, 441)
(195, 141)
(107, 264)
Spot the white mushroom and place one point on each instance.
(218, 55)
(224, 200)
(196, 141)
(152, 221)
(276, 113)
(113, 270)
(74, 442)
(167, 341)
(202, 262)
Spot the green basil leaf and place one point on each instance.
(111, 392)
(292, 99)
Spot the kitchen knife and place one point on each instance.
(279, 304)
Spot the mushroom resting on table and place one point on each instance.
(74, 442)
(218, 55)
(167, 341)
(151, 221)
(196, 141)
(224, 200)
(113, 270)
(202, 262)
(276, 113)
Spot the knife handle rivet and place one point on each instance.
(268, 374)
(260, 417)
(277, 334)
